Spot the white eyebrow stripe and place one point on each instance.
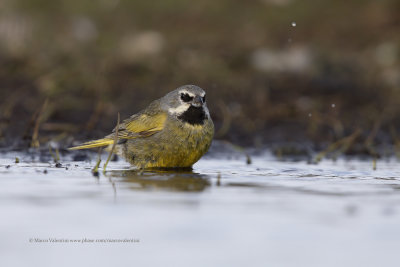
(186, 92)
(191, 94)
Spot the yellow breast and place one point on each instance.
(178, 145)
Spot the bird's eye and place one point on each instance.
(186, 97)
(204, 99)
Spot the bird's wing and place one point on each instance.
(143, 124)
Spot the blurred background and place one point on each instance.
(275, 71)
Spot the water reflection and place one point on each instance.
(170, 180)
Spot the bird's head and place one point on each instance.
(188, 104)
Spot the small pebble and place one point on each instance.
(248, 160)
(114, 158)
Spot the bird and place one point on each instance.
(174, 131)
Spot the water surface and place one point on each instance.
(223, 213)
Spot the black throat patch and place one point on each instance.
(194, 116)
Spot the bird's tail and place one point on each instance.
(94, 143)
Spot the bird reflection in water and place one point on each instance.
(184, 180)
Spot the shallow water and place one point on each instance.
(224, 213)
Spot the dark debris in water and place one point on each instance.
(80, 157)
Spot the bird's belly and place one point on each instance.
(176, 149)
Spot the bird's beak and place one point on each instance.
(197, 101)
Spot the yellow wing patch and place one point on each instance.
(143, 125)
(145, 122)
